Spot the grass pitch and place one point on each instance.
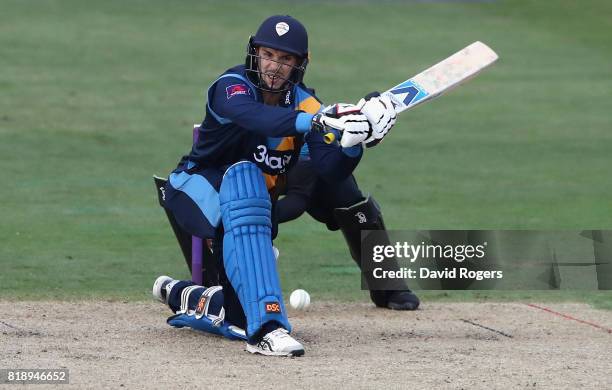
(98, 97)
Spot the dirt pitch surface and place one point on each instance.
(450, 345)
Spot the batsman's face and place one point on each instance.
(275, 66)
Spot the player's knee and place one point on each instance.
(244, 197)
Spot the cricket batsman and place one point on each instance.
(260, 117)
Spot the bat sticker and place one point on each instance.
(413, 92)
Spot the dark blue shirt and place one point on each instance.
(239, 126)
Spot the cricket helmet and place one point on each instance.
(280, 32)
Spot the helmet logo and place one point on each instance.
(282, 28)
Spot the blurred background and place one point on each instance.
(96, 97)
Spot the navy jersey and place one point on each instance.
(238, 126)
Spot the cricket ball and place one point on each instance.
(299, 299)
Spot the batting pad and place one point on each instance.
(247, 246)
(202, 309)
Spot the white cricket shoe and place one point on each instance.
(159, 288)
(277, 343)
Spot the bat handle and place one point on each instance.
(329, 137)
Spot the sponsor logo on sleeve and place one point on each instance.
(236, 89)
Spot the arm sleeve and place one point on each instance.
(231, 98)
(331, 161)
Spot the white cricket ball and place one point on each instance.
(299, 299)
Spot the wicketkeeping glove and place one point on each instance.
(380, 113)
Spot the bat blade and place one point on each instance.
(442, 77)
(438, 79)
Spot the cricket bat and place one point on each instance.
(438, 79)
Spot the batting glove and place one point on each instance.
(346, 119)
(380, 113)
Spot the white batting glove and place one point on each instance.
(380, 113)
(347, 119)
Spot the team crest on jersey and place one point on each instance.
(236, 89)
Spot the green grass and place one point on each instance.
(96, 97)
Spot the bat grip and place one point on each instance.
(330, 135)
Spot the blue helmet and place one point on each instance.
(283, 33)
(280, 32)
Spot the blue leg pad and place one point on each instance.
(247, 246)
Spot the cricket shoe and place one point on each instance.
(161, 287)
(277, 343)
(403, 300)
